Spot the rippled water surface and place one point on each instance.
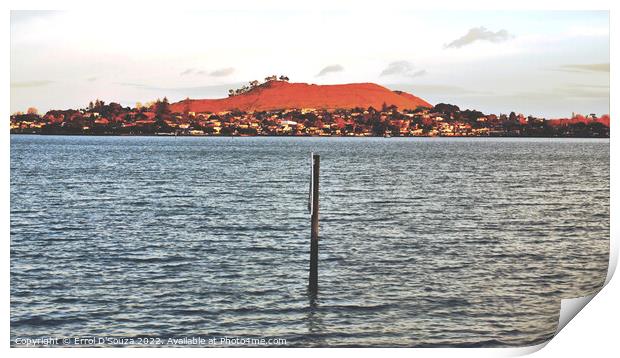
(423, 242)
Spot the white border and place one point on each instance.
(592, 330)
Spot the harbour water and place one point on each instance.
(423, 241)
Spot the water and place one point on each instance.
(424, 242)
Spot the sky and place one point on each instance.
(542, 63)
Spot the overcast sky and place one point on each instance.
(542, 63)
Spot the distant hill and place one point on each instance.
(604, 120)
(275, 95)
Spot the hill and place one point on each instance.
(275, 95)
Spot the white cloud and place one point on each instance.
(402, 69)
(222, 72)
(480, 34)
(330, 69)
(588, 67)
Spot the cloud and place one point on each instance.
(565, 92)
(418, 73)
(590, 67)
(482, 34)
(91, 79)
(27, 84)
(330, 69)
(397, 68)
(189, 71)
(582, 91)
(402, 68)
(222, 72)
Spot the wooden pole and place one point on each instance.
(313, 284)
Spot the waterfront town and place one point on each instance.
(446, 120)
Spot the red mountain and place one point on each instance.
(274, 95)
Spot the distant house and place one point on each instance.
(287, 123)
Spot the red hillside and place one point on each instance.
(284, 95)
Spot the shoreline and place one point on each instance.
(298, 136)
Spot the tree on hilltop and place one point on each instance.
(162, 107)
(445, 108)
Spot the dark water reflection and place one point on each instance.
(424, 242)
